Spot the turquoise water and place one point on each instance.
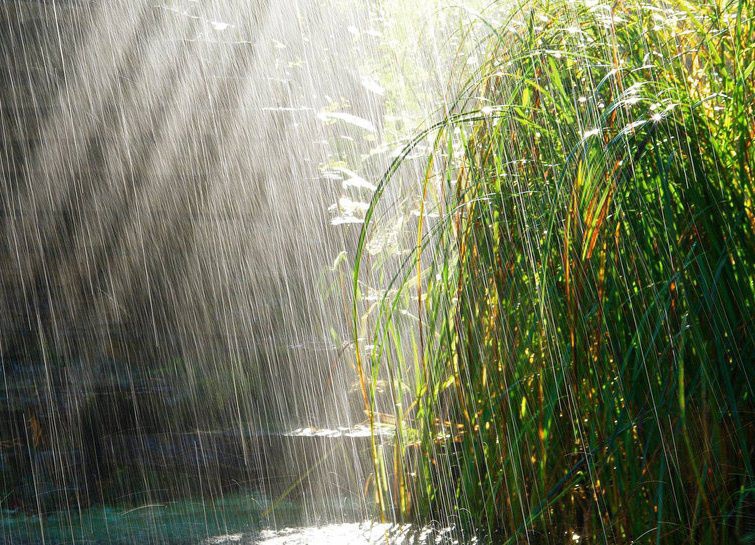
(165, 523)
(240, 519)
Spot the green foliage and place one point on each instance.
(582, 355)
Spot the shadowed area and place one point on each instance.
(166, 230)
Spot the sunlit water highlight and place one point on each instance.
(347, 534)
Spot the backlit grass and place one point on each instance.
(578, 365)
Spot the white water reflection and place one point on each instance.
(359, 430)
(357, 533)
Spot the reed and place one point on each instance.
(579, 363)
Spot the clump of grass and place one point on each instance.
(580, 364)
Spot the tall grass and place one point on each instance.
(580, 364)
